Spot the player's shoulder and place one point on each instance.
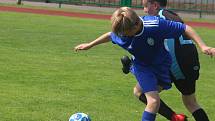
(170, 15)
(166, 11)
(150, 21)
(150, 18)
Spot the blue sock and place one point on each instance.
(147, 116)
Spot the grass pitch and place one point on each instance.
(43, 79)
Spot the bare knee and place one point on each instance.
(137, 91)
(153, 102)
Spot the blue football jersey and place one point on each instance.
(148, 46)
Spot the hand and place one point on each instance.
(84, 46)
(209, 51)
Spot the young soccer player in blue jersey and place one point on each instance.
(143, 38)
(184, 69)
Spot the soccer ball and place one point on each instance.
(79, 117)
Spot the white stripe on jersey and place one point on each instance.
(152, 23)
(156, 21)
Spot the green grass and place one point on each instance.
(43, 79)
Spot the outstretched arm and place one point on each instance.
(194, 36)
(102, 39)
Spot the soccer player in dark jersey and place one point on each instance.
(143, 37)
(184, 69)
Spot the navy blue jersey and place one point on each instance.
(148, 46)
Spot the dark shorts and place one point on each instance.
(186, 87)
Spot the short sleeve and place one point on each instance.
(113, 38)
(171, 29)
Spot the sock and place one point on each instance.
(142, 98)
(147, 116)
(164, 109)
(200, 115)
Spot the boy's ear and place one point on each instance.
(156, 5)
(136, 26)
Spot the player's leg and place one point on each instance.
(187, 88)
(152, 106)
(192, 106)
(164, 109)
(148, 82)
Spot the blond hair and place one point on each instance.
(123, 19)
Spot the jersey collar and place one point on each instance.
(142, 29)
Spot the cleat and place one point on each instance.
(179, 117)
(126, 64)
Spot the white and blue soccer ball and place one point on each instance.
(79, 117)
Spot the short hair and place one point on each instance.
(163, 3)
(123, 19)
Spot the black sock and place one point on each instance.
(164, 110)
(142, 98)
(200, 115)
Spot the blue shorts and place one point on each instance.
(150, 77)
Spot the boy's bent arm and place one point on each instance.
(194, 36)
(102, 39)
